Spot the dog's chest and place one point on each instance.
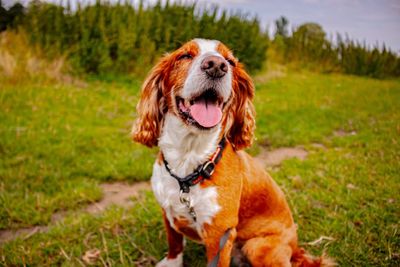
(166, 191)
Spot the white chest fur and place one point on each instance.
(184, 150)
(166, 191)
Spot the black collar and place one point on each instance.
(203, 171)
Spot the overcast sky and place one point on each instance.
(373, 21)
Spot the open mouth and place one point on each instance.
(203, 111)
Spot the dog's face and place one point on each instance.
(202, 84)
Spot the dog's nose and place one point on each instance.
(214, 66)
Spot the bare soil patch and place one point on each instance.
(343, 133)
(318, 146)
(120, 194)
(11, 234)
(272, 158)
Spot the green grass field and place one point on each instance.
(59, 142)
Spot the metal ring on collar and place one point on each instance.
(208, 169)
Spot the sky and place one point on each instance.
(372, 21)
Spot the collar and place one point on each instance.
(203, 171)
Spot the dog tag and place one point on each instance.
(185, 200)
(192, 213)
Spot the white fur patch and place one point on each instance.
(184, 149)
(207, 45)
(177, 262)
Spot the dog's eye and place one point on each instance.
(185, 56)
(231, 62)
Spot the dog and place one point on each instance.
(196, 106)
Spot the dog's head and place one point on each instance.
(202, 84)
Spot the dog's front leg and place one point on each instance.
(175, 247)
(212, 239)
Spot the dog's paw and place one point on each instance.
(177, 262)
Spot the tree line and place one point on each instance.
(308, 46)
(127, 37)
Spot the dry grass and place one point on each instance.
(19, 59)
(273, 71)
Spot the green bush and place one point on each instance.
(124, 37)
(308, 47)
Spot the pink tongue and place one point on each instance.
(206, 114)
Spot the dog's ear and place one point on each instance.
(241, 117)
(152, 106)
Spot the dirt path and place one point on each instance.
(121, 194)
(272, 158)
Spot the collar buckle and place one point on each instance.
(203, 171)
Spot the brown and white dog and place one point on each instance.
(192, 99)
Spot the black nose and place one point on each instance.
(214, 66)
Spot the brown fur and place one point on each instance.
(252, 204)
(175, 240)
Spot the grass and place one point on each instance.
(58, 142)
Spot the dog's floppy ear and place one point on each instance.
(152, 106)
(241, 121)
